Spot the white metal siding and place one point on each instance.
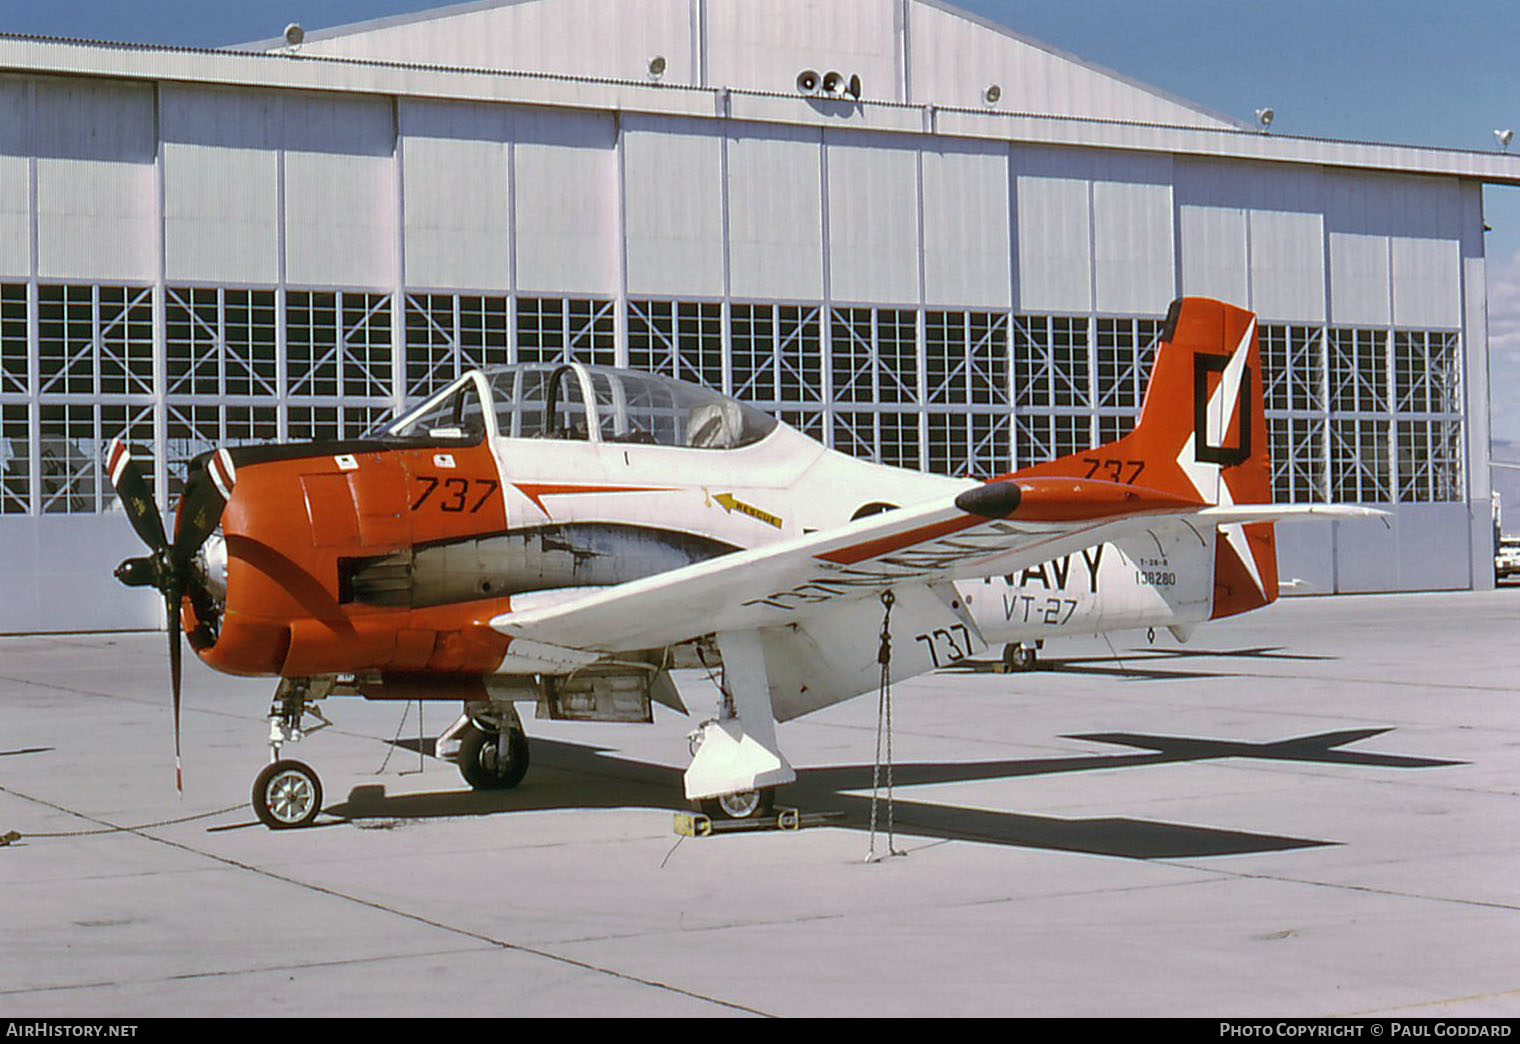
(1134, 269)
(765, 45)
(15, 178)
(1359, 279)
(1427, 277)
(1213, 245)
(221, 184)
(1055, 232)
(96, 203)
(672, 177)
(952, 60)
(966, 245)
(456, 195)
(565, 201)
(775, 213)
(339, 192)
(873, 220)
(1287, 265)
(614, 38)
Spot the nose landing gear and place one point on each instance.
(288, 794)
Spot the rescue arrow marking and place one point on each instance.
(732, 503)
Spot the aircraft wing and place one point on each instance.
(815, 599)
(996, 528)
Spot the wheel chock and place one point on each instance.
(696, 824)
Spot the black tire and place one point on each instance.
(748, 804)
(1018, 657)
(287, 795)
(480, 760)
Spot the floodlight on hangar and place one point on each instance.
(657, 67)
(294, 34)
(992, 94)
(807, 81)
(1265, 117)
(1504, 137)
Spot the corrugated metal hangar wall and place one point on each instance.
(212, 247)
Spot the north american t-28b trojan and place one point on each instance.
(570, 534)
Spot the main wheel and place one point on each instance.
(1019, 657)
(287, 794)
(743, 804)
(481, 762)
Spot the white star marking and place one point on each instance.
(1206, 477)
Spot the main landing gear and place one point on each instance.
(493, 749)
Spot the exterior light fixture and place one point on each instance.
(657, 67)
(807, 81)
(1265, 117)
(294, 34)
(992, 94)
(1504, 137)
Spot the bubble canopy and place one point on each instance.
(574, 401)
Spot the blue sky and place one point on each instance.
(1409, 71)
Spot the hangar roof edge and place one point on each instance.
(47, 56)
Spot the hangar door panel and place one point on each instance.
(1426, 282)
(340, 183)
(775, 214)
(966, 252)
(456, 201)
(15, 192)
(873, 221)
(1055, 237)
(96, 204)
(1213, 244)
(1287, 265)
(221, 185)
(673, 180)
(565, 201)
(1132, 247)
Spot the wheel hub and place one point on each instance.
(290, 796)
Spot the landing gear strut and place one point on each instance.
(493, 748)
(288, 793)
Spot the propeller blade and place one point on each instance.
(136, 497)
(173, 598)
(200, 510)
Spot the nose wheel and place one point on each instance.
(286, 795)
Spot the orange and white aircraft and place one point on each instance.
(570, 534)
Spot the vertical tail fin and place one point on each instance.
(1202, 434)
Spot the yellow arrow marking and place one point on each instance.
(732, 503)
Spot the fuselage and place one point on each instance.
(392, 553)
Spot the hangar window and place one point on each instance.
(1298, 459)
(1050, 361)
(1429, 459)
(1425, 372)
(1359, 461)
(681, 339)
(85, 330)
(13, 324)
(874, 355)
(192, 342)
(1125, 350)
(553, 329)
(966, 358)
(15, 460)
(1038, 438)
(1292, 361)
(1358, 370)
(192, 430)
(250, 359)
(886, 437)
(448, 334)
(969, 444)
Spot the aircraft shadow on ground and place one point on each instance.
(574, 776)
(1135, 663)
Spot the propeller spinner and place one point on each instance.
(168, 567)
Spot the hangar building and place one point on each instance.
(962, 269)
